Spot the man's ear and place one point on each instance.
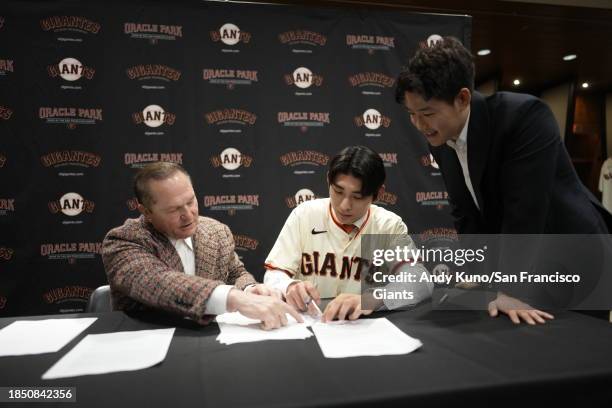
(463, 98)
(144, 211)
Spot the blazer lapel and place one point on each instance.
(478, 143)
(203, 265)
(167, 252)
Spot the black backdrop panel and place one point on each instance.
(252, 99)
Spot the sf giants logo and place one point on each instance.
(6, 253)
(5, 113)
(70, 69)
(71, 204)
(154, 116)
(303, 78)
(230, 34)
(372, 119)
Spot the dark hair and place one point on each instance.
(438, 70)
(154, 171)
(360, 162)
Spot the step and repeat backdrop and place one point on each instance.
(253, 100)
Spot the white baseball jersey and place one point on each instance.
(313, 246)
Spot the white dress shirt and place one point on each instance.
(460, 147)
(217, 302)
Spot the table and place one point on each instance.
(467, 358)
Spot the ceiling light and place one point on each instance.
(483, 52)
(585, 84)
(516, 82)
(569, 57)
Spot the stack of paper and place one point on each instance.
(236, 328)
(112, 352)
(40, 336)
(367, 337)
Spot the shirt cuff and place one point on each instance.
(278, 280)
(217, 302)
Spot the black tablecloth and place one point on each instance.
(466, 358)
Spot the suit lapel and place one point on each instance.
(203, 266)
(478, 143)
(167, 252)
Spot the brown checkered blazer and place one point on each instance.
(145, 271)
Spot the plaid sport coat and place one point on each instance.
(145, 271)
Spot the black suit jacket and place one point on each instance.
(521, 172)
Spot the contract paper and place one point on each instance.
(364, 337)
(113, 352)
(237, 328)
(40, 336)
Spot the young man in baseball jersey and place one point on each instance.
(317, 253)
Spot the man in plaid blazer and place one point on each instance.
(177, 261)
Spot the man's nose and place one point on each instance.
(345, 204)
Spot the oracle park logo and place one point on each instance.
(153, 76)
(230, 78)
(302, 195)
(71, 205)
(230, 120)
(64, 160)
(372, 120)
(153, 33)
(5, 112)
(302, 41)
(64, 294)
(7, 206)
(389, 159)
(231, 203)
(304, 161)
(428, 161)
(386, 198)
(371, 83)
(231, 35)
(303, 120)
(6, 67)
(303, 78)
(437, 199)
(370, 43)
(139, 160)
(6, 254)
(70, 251)
(154, 116)
(231, 159)
(71, 117)
(70, 70)
(70, 29)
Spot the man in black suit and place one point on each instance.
(504, 164)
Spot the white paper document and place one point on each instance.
(40, 336)
(112, 352)
(364, 337)
(236, 328)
